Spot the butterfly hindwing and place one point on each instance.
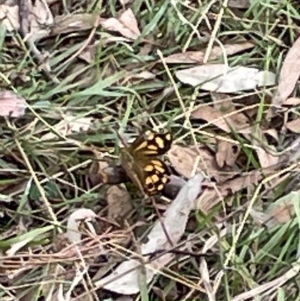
(145, 168)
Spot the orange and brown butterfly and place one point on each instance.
(141, 163)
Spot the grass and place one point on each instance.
(42, 182)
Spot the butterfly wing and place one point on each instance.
(141, 164)
(154, 173)
(151, 144)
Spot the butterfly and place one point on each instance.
(141, 163)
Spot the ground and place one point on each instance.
(215, 82)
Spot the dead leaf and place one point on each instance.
(235, 121)
(96, 174)
(264, 150)
(126, 25)
(79, 216)
(72, 22)
(197, 56)
(266, 159)
(227, 153)
(70, 124)
(279, 212)
(125, 278)
(289, 75)
(271, 132)
(39, 16)
(183, 159)
(211, 196)
(9, 16)
(292, 101)
(224, 79)
(119, 204)
(293, 126)
(11, 104)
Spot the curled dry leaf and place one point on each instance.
(119, 204)
(125, 279)
(216, 52)
(227, 153)
(11, 104)
(223, 79)
(233, 121)
(126, 25)
(75, 219)
(289, 75)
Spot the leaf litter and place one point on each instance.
(236, 148)
(224, 79)
(124, 280)
(11, 104)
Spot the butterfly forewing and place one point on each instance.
(151, 144)
(144, 168)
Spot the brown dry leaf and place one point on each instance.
(289, 75)
(126, 25)
(75, 221)
(125, 278)
(227, 153)
(271, 132)
(11, 104)
(222, 102)
(236, 121)
(72, 22)
(9, 16)
(96, 174)
(119, 204)
(265, 158)
(279, 212)
(184, 159)
(40, 17)
(211, 197)
(69, 124)
(293, 126)
(263, 150)
(217, 51)
(292, 101)
(223, 79)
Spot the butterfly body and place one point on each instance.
(141, 162)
